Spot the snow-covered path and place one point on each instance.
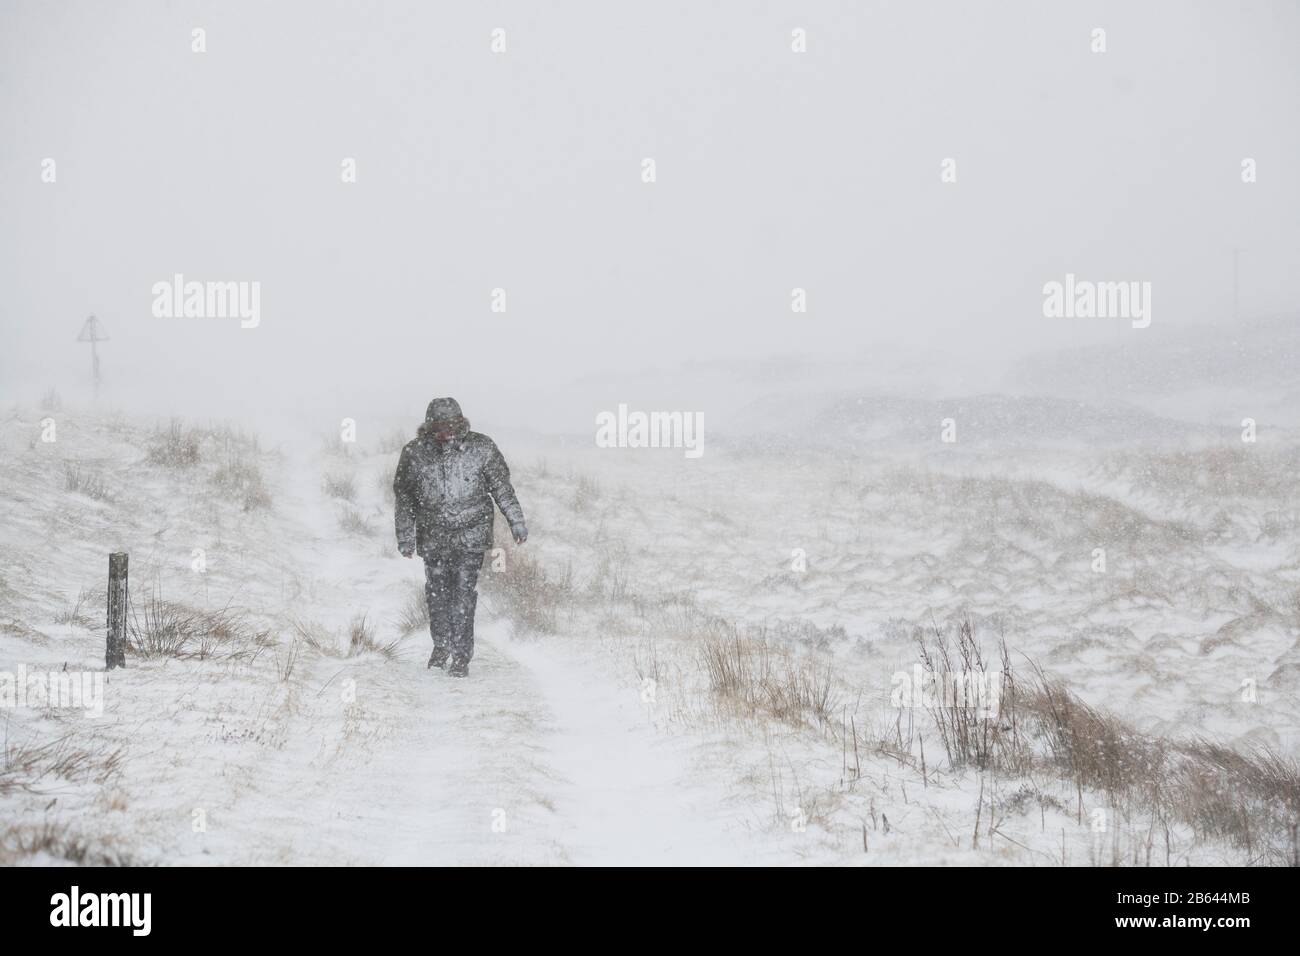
(541, 756)
(625, 793)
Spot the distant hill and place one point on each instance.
(1254, 354)
(854, 421)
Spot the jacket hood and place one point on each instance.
(444, 414)
(442, 410)
(459, 427)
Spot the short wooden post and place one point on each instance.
(117, 599)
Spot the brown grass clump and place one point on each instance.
(759, 677)
(526, 594)
(21, 842)
(30, 767)
(241, 477)
(1249, 798)
(358, 638)
(161, 628)
(414, 613)
(176, 446)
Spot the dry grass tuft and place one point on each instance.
(161, 628)
(757, 677)
(972, 700)
(85, 482)
(1095, 748)
(176, 446)
(414, 614)
(28, 767)
(358, 638)
(361, 635)
(586, 492)
(286, 663)
(343, 487)
(80, 613)
(525, 594)
(354, 522)
(241, 477)
(1251, 799)
(19, 843)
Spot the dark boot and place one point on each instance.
(458, 667)
(439, 657)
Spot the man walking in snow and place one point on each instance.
(446, 482)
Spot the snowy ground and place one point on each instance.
(559, 749)
(541, 757)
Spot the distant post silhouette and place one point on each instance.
(92, 331)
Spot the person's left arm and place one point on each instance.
(503, 493)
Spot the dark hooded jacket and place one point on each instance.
(445, 492)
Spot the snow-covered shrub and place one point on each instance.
(78, 479)
(354, 522)
(339, 486)
(241, 478)
(176, 446)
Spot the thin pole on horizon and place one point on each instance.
(92, 331)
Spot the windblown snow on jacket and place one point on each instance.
(445, 491)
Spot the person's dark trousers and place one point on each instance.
(450, 582)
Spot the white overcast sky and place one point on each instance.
(522, 171)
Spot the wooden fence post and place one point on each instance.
(117, 600)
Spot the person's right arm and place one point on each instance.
(404, 511)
